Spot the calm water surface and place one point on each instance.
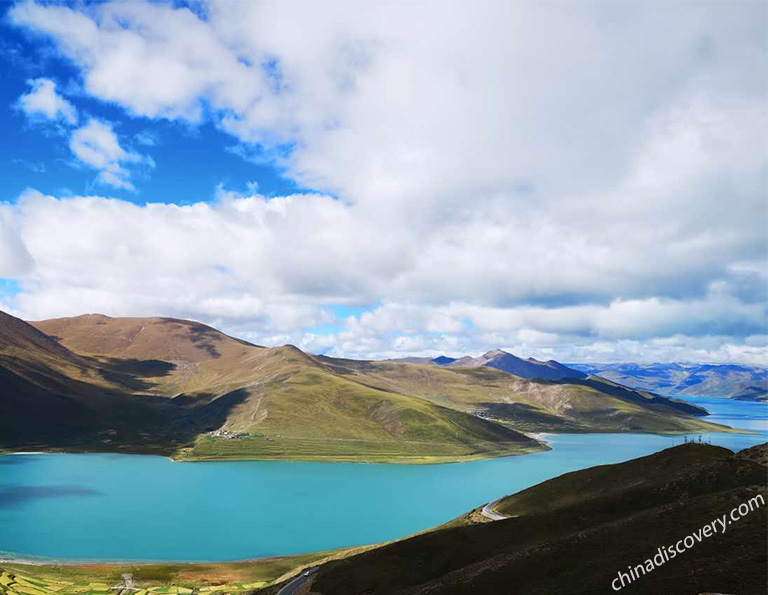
(121, 507)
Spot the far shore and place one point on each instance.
(543, 439)
(362, 459)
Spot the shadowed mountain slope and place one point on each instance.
(573, 534)
(52, 396)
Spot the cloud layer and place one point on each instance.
(265, 269)
(553, 178)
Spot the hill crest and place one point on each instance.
(159, 338)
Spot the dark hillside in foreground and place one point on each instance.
(576, 532)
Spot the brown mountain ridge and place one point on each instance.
(183, 388)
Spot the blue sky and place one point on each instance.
(584, 183)
(190, 161)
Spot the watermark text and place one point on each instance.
(664, 555)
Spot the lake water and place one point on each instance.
(122, 507)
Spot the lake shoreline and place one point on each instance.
(407, 460)
(362, 460)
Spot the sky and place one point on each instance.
(582, 181)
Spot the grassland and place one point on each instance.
(346, 450)
(368, 424)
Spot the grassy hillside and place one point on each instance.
(183, 388)
(162, 385)
(169, 356)
(312, 414)
(573, 534)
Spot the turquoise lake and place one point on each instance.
(122, 507)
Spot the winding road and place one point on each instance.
(293, 585)
(487, 512)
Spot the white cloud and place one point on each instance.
(43, 102)
(147, 138)
(718, 325)
(157, 61)
(96, 145)
(561, 177)
(15, 260)
(262, 268)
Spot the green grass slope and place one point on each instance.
(576, 532)
(308, 413)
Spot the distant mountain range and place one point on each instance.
(705, 380)
(501, 360)
(185, 389)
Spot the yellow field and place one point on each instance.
(14, 583)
